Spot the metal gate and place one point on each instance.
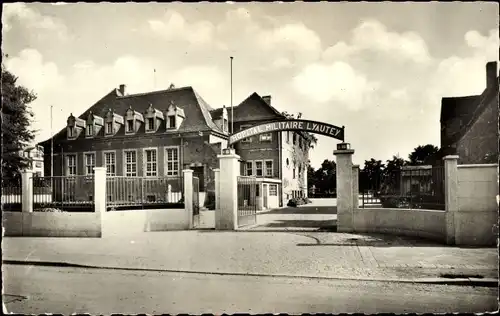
(196, 200)
(247, 201)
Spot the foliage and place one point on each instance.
(371, 174)
(325, 178)
(312, 139)
(16, 120)
(423, 155)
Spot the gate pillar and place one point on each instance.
(27, 191)
(345, 207)
(227, 211)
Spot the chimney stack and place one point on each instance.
(491, 74)
(267, 99)
(123, 89)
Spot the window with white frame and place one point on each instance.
(294, 138)
(150, 124)
(131, 163)
(71, 165)
(89, 163)
(110, 163)
(267, 137)
(151, 163)
(273, 190)
(248, 170)
(172, 161)
(258, 168)
(288, 137)
(171, 121)
(71, 132)
(269, 168)
(90, 130)
(130, 126)
(109, 128)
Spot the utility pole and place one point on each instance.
(51, 145)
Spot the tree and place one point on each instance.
(392, 174)
(325, 178)
(423, 155)
(16, 120)
(312, 139)
(371, 175)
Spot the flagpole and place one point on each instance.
(51, 145)
(232, 114)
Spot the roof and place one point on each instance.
(240, 113)
(197, 111)
(453, 107)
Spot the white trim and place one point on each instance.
(106, 134)
(265, 169)
(104, 152)
(85, 162)
(266, 140)
(262, 169)
(144, 162)
(165, 161)
(127, 132)
(93, 130)
(150, 131)
(75, 132)
(66, 167)
(124, 162)
(245, 169)
(167, 124)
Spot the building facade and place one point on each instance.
(469, 124)
(158, 134)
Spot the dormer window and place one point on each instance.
(74, 127)
(113, 123)
(175, 116)
(94, 125)
(134, 120)
(109, 128)
(153, 119)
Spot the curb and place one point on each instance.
(485, 282)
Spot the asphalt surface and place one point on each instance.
(35, 290)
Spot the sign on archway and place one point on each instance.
(290, 125)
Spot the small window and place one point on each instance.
(90, 130)
(248, 168)
(130, 126)
(151, 170)
(293, 173)
(269, 168)
(248, 139)
(150, 125)
(258, 168)
(171, 121)
(109, 128)
(71, 165)
(89, 163)
(257, 190)
(273, 190)
(225, 127)
(288, 137)
(71, 132)
(266, 137)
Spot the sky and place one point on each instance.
(379, 69)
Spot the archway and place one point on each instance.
(254, 192)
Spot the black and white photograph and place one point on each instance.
(250, 157)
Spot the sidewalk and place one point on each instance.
(291, 254)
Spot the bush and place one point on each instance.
(296, 202)
(394, 201)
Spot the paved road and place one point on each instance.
(74, 290)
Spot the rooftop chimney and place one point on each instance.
(267, 99)
(123, 89)
(491, 74)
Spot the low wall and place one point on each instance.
(51, 224)
(477, 215)
(120, 223)
(429, 224)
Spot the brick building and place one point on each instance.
(469, 124)
(157, 134)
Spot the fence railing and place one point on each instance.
(413, 188)
(143, 191)
(11, 194)
(63, 192)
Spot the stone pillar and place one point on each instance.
(450, 195)
(188, 195)
(226, 215)
(216, 188)
(355, 187)
(100, 190)
(344, 188)
(27, 191)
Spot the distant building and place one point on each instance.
(469, 124)
(34, 154)
(160, 133)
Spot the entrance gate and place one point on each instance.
(247, 201)
(196, 200)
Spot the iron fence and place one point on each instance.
(69, 193)
(196, 196)
(419, 187)
(143, 191)
(247, 200)
(11, 194)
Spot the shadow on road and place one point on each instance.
(305, 210)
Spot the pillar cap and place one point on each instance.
(27, 171)
(451, 157)
(355, 166)
(216, 169)
(99, 168)
(343, 152)
(234, 156)
(187, 171)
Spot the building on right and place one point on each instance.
(469, 124)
